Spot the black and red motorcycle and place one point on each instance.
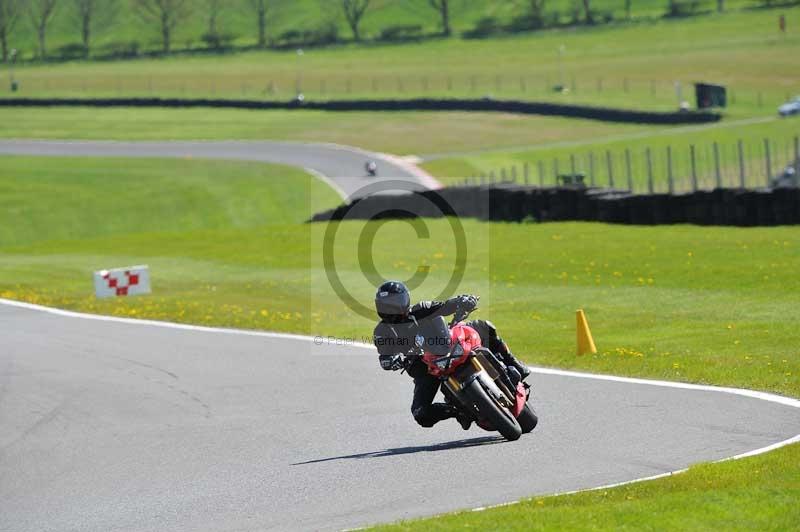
(474, 379)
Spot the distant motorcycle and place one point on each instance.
(372, 168)
(474, 380)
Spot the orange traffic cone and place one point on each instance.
(585, 341)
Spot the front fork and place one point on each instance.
(479, 367)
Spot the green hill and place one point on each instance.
(121, 26)
(631, 66)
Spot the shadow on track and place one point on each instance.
(457, 444)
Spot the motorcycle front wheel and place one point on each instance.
(527, 419)
(500, 418)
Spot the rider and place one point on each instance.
(394, 336)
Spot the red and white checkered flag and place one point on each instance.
(129, 281)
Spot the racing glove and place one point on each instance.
(467, 302)
(391, 362)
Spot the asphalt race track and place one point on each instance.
(341, 165)
(116, 425)
(112, 425)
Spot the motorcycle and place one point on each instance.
(372, 168)
(474, 380)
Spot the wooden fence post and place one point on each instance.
(541, 174)
(768, 161)
(629, 169)
(591, 168)
(526, 172)
(610, 165)
(572, 163)
(670, 177)
(555, 170)
(717, 170)
(693, 160)
(742, 176)
(649, 156)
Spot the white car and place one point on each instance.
(790, 108)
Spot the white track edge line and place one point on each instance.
(328, 181)
(764, 396)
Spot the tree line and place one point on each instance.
(166, 16)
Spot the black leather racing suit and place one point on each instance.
(396, 338)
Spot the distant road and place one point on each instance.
(342, 166)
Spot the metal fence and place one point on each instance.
(664, 170)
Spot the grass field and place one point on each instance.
(625, 66)
(90, 198)
(709, 305)
(399, 133)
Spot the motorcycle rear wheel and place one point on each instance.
(499, 417)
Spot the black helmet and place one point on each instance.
(393, 301)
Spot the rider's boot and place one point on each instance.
(448, 411)
(464, 420)
(510, 360)
(513, 375)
